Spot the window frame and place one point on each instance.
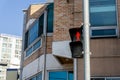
(116, 28)
(105, 78)
(31, 46)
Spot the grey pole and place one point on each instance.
(75, 69)
(45, 36)
(86, 39)
(22, 54)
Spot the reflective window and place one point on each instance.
(33, 33)
(97, 78)
(61, 75)
(33, 48)
(36, 77)
(70, 75)
(29, 51)
(36, 45)
(103, 17)
(115, 78)
(41, 24)
(39, 76)
(50, 17)
(106, 78)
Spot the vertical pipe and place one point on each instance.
(75, 69)
(75, 61)
(23, 37)
(45, 36)
(86, 39)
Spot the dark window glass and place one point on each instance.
(103, 13)
(36, 45)
(70, 75)
(26, 40)
(39, 76)
(29, 51)
(101, 32)
(33, 48)
(34, 78)
(41, 24)
(33, 33)
(103, 17)
(50, 17)
(97, 78)
(60, 75)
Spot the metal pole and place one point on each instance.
(75, 69)
(86, 40)
(22, 54)
(45, 36)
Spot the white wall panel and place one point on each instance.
(34, 67)
(50, 1)
(30, 69)
(61, 48)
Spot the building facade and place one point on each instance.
(10, 53)
(46, 53)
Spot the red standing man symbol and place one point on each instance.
(77, 35)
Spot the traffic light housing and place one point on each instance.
(76, 46)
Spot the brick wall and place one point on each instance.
(40, 51)
(66, 15)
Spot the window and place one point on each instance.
(33, 48)
(103, 18)
(97, 78)
(4, 45)
(50, 17)
(106, 78)
(33, 33)
(39, 76)
(61, 75)
(36, 77)
(5, 39)
(9, 45)
(41, 24)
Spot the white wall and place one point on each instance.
(38, 64)
(50, 1)
(61, 48)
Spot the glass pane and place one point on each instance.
(36, 45)
(29, 51)
(41, 24)
(103, 13)
(113, 79)
(26, 40)
(97, 78)
(39, 76)
(50, 18)
(34, 78)
(103, 19)
(60, 75)
(102, 2)
(70, 75)
(33, 33)
(103, 32)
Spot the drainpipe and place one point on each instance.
(45, 40)
(23, 35)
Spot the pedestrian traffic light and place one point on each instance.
(76, 45)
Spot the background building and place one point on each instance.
(47, 53)
(10, 53)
